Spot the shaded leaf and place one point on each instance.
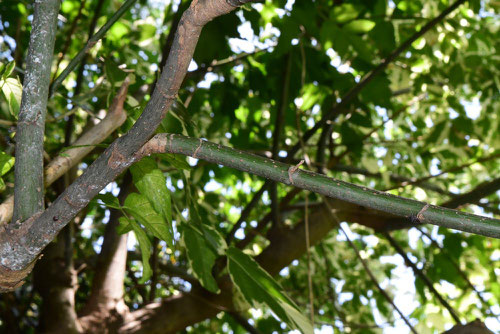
(258, 287)
(144, 245)
(201, 256)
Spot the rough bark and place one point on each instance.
(56, 281)
(106, 307)
(83, 146)
(20, 245)
(28, 191)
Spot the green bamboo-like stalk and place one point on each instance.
(91, 42)
(28, 191)
(292, 175)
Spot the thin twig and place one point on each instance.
(91, 42)
(423, 277)
(354, 91)
(368, 270)
(308, 253)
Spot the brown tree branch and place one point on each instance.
(105, 304)
(20, 245)
(83, 146)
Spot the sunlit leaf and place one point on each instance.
(151, 182)
(139, 207)
(12, 90)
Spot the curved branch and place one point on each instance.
(20, 245)
(418, 272)
(291, 175)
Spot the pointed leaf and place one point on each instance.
(13, 90)
(201, 256)
(151, 182)
(8, 69)
(359, 26)
(144, 245)
(109, 200)
(258, 287)
(6, 163)
(140, 208)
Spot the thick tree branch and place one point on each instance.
(19, 247)
(83, 146)
(321, 184)
(28, 191)
(336, 109)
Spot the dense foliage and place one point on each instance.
(427, 127)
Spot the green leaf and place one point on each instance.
(151, 182)
(139, 207)
(359, 26)
(125, 226)
(201, 256)
(344, 13)
(258, 287)
(313, 94)
(144, 245)
(114, 74)
(117, 31)
(109, 200)
(6, 163)
(214, 239)
(13, 91)
(176, 160)
(8, 69)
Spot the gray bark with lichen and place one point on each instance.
(28, 192)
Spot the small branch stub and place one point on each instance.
(292, 170)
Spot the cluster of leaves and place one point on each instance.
(447, 116)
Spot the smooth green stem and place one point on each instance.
(291, 175)
(28, 191)
(91, 42)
